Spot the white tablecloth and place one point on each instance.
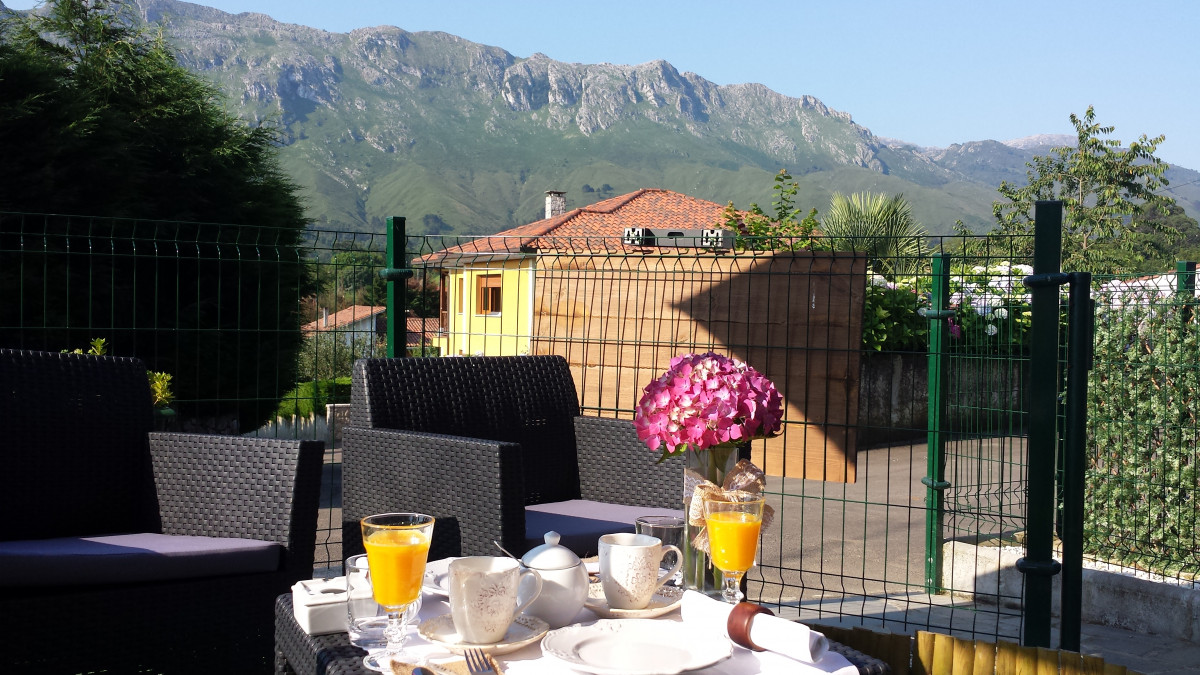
(530, 661)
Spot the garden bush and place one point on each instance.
(1143, 405)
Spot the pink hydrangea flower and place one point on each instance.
(705, 400)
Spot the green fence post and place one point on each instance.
(1185, 286)
(396, 271)
(935, 463)
(1079, 362)
(1038, 565)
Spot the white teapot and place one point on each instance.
(564, 582)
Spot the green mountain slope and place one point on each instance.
(465, 138)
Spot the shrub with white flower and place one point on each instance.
(992, 308)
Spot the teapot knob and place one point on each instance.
(552, 538)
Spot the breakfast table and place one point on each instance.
(690, 638)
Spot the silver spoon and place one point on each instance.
(505, 551)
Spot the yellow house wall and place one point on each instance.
(505, 334)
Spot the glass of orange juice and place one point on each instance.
(397, 548)
(733, 519)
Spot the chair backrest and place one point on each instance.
(529, 400)
(929, 653)
(75, 446)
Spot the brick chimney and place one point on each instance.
(556, 203)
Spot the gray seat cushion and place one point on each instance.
(581, 522)
(130, 558)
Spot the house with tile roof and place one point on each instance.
(488, 303)
(622, 286)
(350, 323)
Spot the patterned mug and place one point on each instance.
(629, 568)
(485, 596)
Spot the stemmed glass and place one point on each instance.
(734, 520)
(397, 548)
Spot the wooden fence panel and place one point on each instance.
(795, 317)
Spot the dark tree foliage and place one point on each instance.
(98, 119)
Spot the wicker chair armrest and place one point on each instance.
(617, 468)
(474, 487)
(229, 486)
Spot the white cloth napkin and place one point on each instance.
(772, 633)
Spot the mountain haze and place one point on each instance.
(465, 138)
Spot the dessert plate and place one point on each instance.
(665, 599)
(524, 630)
(437, 576)
(636, 647)
(435, 584)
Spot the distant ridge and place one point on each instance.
(1041, 140)
(465, 138)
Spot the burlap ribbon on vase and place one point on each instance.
(744, 477)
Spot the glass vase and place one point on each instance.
(711, 465)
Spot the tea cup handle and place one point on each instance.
(667, 548)
(537, 590)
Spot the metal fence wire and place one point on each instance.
(899, 502)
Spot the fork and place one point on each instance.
(478, 662)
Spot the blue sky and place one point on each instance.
(927, 72)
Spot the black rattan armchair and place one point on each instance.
(89, 581)
(494, 447)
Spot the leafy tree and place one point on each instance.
(1166, 237)
(356, 278)
(880, 226)
(784, 231)
(1102, 187)
(97, 118)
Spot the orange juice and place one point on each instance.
(397, 561)
(733, 539)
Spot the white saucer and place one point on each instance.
(635, 647)
(524, 631)
(665, 599)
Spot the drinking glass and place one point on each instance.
(734, 520)
(397, 549)
(669, 530)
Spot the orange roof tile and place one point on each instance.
(420, 331)
(344, 317)
(598, 226)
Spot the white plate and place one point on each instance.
(636, 647)
(435, 583)
(524, 631)
(437, 574)
(665, 599)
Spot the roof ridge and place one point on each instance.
(625, 199)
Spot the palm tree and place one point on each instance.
(880, 226)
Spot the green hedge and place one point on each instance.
(1143, 432)
(312, 396)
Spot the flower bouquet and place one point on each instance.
(707, 405)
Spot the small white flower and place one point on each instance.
(992, 330)
(1000, 313)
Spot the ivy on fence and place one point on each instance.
(1144, 405)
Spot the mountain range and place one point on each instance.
(465, 138)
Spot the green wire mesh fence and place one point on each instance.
(258, 328)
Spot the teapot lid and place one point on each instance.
(550, 556)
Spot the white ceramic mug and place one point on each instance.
(485, 596)
(629, 568)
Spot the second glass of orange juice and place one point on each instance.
(734, 520)
(397, 547)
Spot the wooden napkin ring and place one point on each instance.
(738, 624)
